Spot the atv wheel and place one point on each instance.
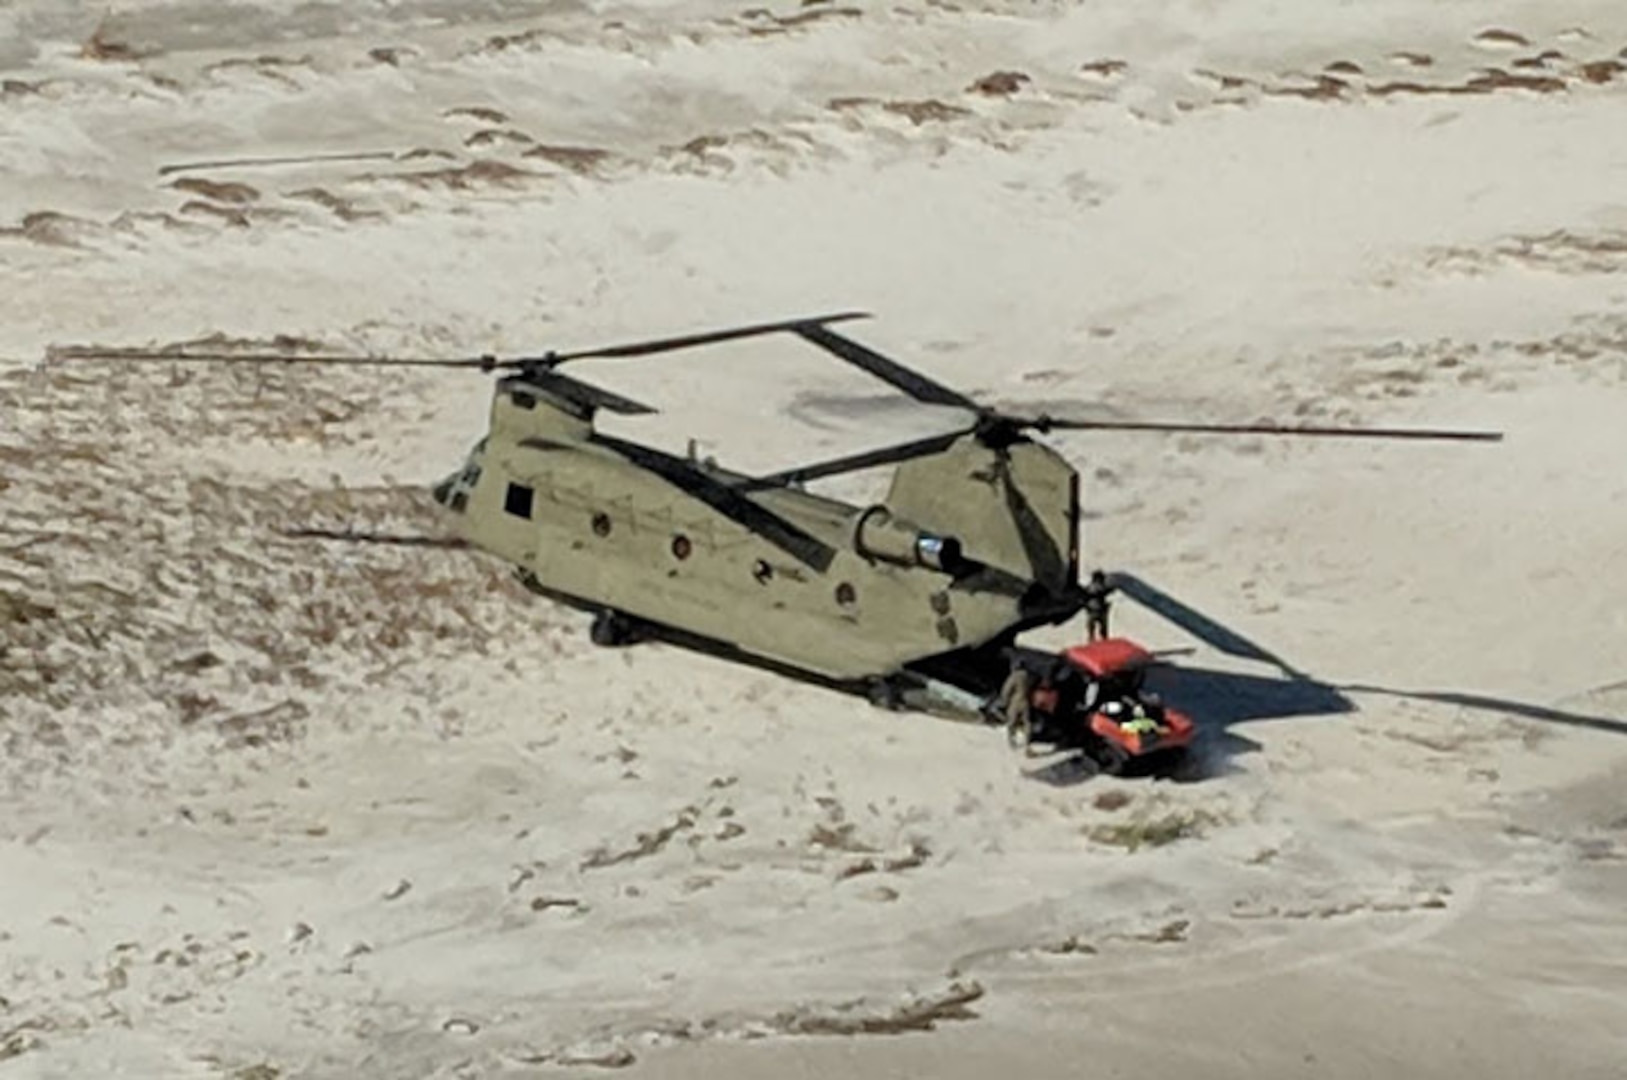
(610, 629)
(1185, 766)
(1110, 759)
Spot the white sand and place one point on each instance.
(372, 832)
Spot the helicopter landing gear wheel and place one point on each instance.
(884, 694)
(611, 629)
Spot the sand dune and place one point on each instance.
(279, 806)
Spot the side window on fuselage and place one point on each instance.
(518, 500)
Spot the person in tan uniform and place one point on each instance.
(1015, 704)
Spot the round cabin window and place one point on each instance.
(601, 524)
(680, 546)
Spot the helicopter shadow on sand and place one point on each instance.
(1222, 700)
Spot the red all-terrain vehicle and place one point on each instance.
(1092, 697)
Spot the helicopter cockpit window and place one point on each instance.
(518, 500)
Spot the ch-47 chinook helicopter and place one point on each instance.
(976, 541)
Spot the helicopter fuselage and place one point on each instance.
(846, 593)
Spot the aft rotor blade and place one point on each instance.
(594, 397)
(913, 383)
(885, 455)
(1196, 623)
(708, 337)
(1046, 423)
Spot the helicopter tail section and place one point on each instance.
(1014, 508)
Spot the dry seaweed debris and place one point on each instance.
(1150, 829)
(341, 208)
(218, 190)
(926, 111)
(1323, 88)
(497, 136)
(103, 45)
(51, 228)
(578, 159)
(1489, 81)
(1498, 36)
(132, 586)
(1106, 68)
(1600, 72)
(1000, 83)
(475, 175)
(915, 1014)
(483, 113)
(647, 844)
(390, 54)
(761, 21)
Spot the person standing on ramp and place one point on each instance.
(1096, 594)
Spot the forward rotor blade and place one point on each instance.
(171, 357)
(708, 337)
(726, 500)
(885, 455)
(1049, 424)
(350, 536)
(913, 383)
(481, 363)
